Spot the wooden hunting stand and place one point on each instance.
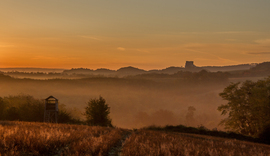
(51, 110)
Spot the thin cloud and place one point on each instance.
(223, 60)
(121, 48)
(91, 37)
(234, 32)
(43, 58)
(193, 45)
(3, 45)
(218, 60)
(192, 33)
(144, 51)
(231, 40)
(227, 60)
(218, 32)
(264, 41)
(258, 53)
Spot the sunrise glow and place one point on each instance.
(143, 34)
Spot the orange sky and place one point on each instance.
(144, 34)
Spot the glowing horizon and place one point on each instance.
(146, 35)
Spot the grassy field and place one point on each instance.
(155, 143)
(26, 138)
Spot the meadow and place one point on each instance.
(34, 138)
(157, 143)
(26, 138)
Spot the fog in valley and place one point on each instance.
(135, 101)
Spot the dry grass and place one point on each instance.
(25, 138)
(146, 142)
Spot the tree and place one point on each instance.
(248, 107)
(190, 116)
(2, 108)
(24, 108)
(97, 112)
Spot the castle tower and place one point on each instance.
(189, 65)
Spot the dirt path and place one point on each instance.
(116, 150)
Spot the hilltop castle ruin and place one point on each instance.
(190, 65)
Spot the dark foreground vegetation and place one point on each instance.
(27, 108)
(247, 108)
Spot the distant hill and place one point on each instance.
(125, 71)
(79, 71)
(5, 77)
(104, 71)
(261, 69)
(86, 71)
(28, 70)
(129, 71)
(189, 66)
(249, 69)
(228, 68)
(171, 70)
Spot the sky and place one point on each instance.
(147, 34)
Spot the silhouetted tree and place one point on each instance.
(2, 108)
(190, 116)
(248, 107)
(163, 117)
(97, 112)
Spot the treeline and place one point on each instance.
(44, 75)
(27, 108)
(262, 69)
(36, 75)
(202, 75)
(198, 73)
(188, 76)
